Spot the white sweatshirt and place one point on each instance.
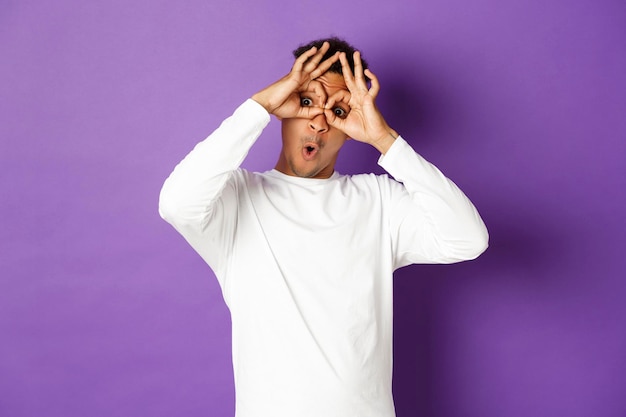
(305, 265)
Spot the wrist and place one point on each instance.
(384, 142)
(263, 101)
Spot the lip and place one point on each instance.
(310, 150)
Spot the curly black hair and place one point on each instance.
(336, 44)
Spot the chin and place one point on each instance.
(305, 172)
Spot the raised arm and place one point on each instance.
(431, 220)
(282, 99)
(364, 122)
(191, 191)
(199, 198)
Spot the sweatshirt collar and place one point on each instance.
(299, 180)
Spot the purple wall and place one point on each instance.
(105, 311)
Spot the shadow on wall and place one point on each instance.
(521, 250)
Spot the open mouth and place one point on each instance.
(309, 151)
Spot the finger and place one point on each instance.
(341, 96)
(375, 88)
(333, 120)
(299, 63)
(347, 72)
(320, 93)
(358, 68)
(317, 58)
(310, 112)
(324, 66)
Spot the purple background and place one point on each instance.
(105, 310)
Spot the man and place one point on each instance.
(305, 255)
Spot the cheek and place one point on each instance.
(338, 137)
(336, 143)
(289, 131)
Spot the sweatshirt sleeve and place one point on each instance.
(431, 220)
(199, 198)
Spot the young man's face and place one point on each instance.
(310, 146)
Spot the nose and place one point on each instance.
(318, 124)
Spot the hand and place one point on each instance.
(283, 97)
(364, 122)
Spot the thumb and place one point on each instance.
(336, 122)
(333, 120)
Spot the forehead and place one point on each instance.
(332, 82)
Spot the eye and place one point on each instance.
(340, 112)
(306, 102)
